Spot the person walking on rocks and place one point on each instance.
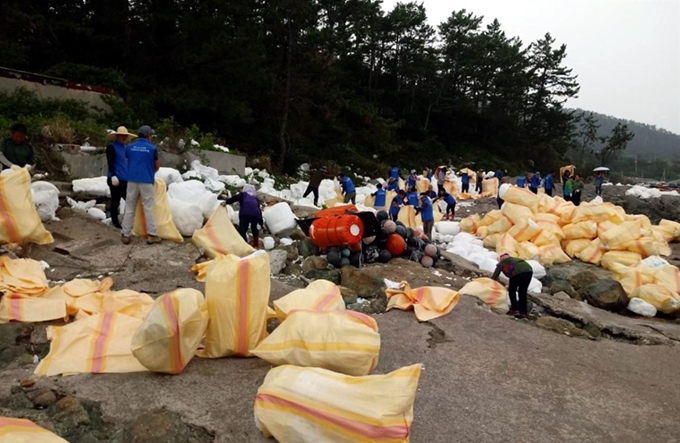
(519, 273)
(396, 204)
(578, 188)
(599, 181)
(315, 182)
(348, 189)
(426, 214)
(142, 164)
(116, 173)
(249, 214)
(478, 182)
(549, 184)
(535, 182)
(450, 204)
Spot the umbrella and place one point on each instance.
(601, 169)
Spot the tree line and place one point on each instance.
(312, 80)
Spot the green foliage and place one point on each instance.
(615, 143)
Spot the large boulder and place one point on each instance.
(605, 294)
(291, 251)
(364, 283)
(561, 326)
(164, 427)
(332, 275)
(277, 260)
(314, 262)
(564, 287)
(306, 248)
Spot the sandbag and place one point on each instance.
(22, 276)
(483, 232)
(33, 309)
(552, 254)
(407, 215)
(470, 224)
(489, 291)
(422, 184)
(574, 247)
(625, 258)
(168, 338)
(645, 246)
(545, 217)
(522, 197)
(566, 211)
(658, 296)
(491, 217)
(663, 233)
(279, 219)
(551, 227)
(428, 302)
(490, 187)
(547, 205)
(313, 405)
(668, 277)
(491, 241)
(615, 238)
(585, 229)
(632, 277)
(19, 430)
(598, 214)
(237, 293)
(501, 225)
(516, 213)
(524, 231)
(528, 251)
(341, 341)
(219, 237)
(671, 226)
(605, 226)
(319, 295)
(592, 254)
(89, 297)
(545, 238)
(95, 344)
(507, 244)
(161, 211)
(19, 220)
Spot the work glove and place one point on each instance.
(115, 181)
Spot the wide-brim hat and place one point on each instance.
(122, 130)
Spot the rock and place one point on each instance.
(298, 235)
(291, 250)
(314, 262)
(164, 427)
(69, 412)
(606, 294)
(292, 268)
(332, 275)
(277, 260)
(562, 296)
(26, 383)
(349, 295)
(42, 398)
(561, 326)
(563, 286)
(583, 279)
(306, 248)
(18, 399)
(365, 284)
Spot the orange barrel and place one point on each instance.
(337, 210)
(340, 230)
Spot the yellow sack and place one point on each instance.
(545, 238)
(598, 214)
(319, 295)
(219, 237)
(615, 238)
(237, 292)
(491, 241)
(369, 201)
(566, 211)
(663, 233)
(19, 430)
(95, 344)
(470, 224)
(632, 277)
(341, 341)
(645, 223)
(552, 228)
(502, 225)
(507, 244)
(489, 291)
(128, 302)
(491, 217)
(314, 405)
(450, 187)
(671, 226)
(201, 269)
(407, 215)
(490, 187)
(552, 254)
(428, 302)
(570, 168)
(547, 205)
(573, 247)
(422, 185)
(19, 220)
(625, 258)
(464, 196)
(528, 251)
(663, 248)
(659, 296)
(22, 276)
(516, 213)
(669, 278)
(161, 211)
(645, 246)
(584, 229)
(23, 308)
(167, 340)
(524, 231)
(605, 226)
(592, 254)
(522, 197)
(483, 232)
(545, 217)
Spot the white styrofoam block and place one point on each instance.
(448, 228)
(187, 217)
(641, 307)
(169, 175)
(46, 200)
(279, 219)
(192, 192)
(92, 186)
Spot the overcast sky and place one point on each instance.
(626, 53)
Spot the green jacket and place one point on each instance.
(578, 185)
(20, 155)
(511, 267)
(569, 187)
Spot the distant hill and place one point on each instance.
(649, 141)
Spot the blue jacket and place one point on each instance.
(412, 198)
(549, 182)
(393, 185)
(426, 212)
(394, 210)
(141, 157)
(521, 181)
(117, 163)
(249, 205)
(449, 199)
(347, 185)
(465, 179)
(411, 182)
(394, 173)
(535, 181)
(380, 196)
(499, 175)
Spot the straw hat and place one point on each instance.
(122, 130)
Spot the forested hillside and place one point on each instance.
(649, 142)
(310, 80)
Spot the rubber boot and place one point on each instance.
(256, 242)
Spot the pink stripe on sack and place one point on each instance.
(420, 292)
(100, 343)
(15, 307)
(328, 298)
(361, 317)
(244, 290)
(176, 355)
(363, 429)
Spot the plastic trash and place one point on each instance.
(662, 298)
(539, 270)
(96, 213)
(192, 192)
(448, 228)
(169, 175)
(219, 237)
(188, 218)
(280, 219)
(96, 187)
(46, 200)
(269, 243)
(428, 302)
(164, 224)
(641, 307)
(20, 222)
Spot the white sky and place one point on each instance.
(626, 53)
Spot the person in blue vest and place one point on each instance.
(348, 189)
(465, 181)
(412, 198)
(426, 214)
(249, 214)
(430, 192)
(393, 184)
(396, 204)
(429, 173)
(499, 175)
(394, 173)
(450, 204)
(380, 196)
(535, 182)
(116, 173)
(412, 179)
(549, 184)
(142, 164)
(521, 181)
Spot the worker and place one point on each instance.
(450, 204)
(142, 164)
(16, 150)
(348, 189)
(393, 184)
(519, 273)
(499, 200)
(565, 177)
(396, 204)
(440, 176)
(599, 181)
(116, 173)
(499, 174)
(428, 173)
(412, 179)
(412, 197)
(478, 181)
(535, 182)
(380, 196)
(394, 173)
(521, 181)
(577, 188)
(568, 189)
(314, 183)
(430, 192)
(465, 181)
(249, 214)
(549, 185)
(426, 214)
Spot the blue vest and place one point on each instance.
(141, 157)
(380, 196)
(426, 213)
(535, 181)
(448, 198)
(348, 185)
(521, 181)
(394, 210)
(549, 182)
(411, 182)
(412, 198)
(121, 162)
(465, 179)
(393, 185)
(394, 173)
